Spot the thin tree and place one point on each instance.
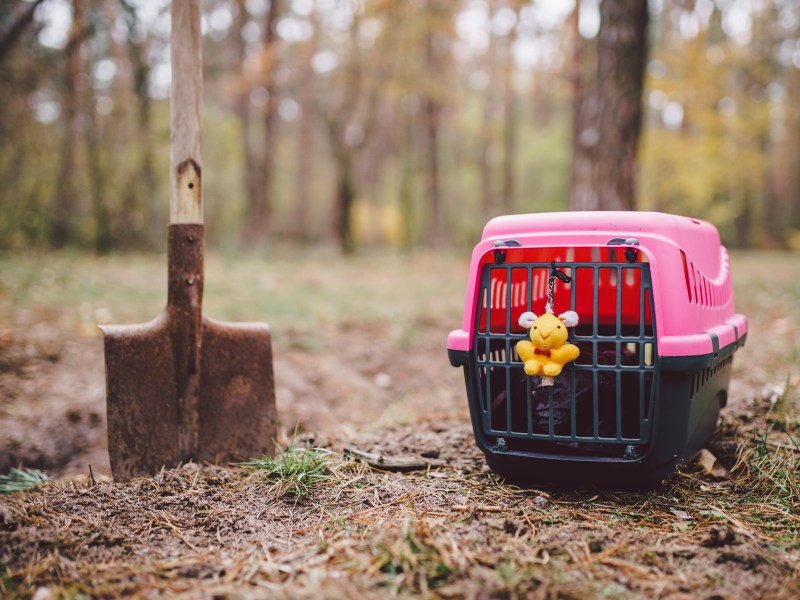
(438, 24)
(487, 124)
(99, 164)
(305, 137)
(510, 120)
(608, 111)
(251, 171)
(143, 182)
(348, 109)
(66, 193)
(259, 214)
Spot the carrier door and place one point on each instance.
(601, 403)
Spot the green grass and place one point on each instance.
(7, 585)
(783, 413)
(287, 289)
(20, 480)
(296, 470)
(413, 559)
(778, 467)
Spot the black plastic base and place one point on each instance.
(610, 476)
(690, 394)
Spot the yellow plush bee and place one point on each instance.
(547, 351)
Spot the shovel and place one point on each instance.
(185, 387)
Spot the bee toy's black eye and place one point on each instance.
(534, 326)
(559, 326)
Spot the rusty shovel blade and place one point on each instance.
(185, 387)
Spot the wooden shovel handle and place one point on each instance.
(186, 158)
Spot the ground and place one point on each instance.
(360, 363)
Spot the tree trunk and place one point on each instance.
(259, 220)
(66, 195)
(305, 143)
(345, 197)
(622, 57)
(143, 189)
(585, 134)
(147, 174)
(608, 118)
(305, 156)
(406, 191)
(792, 142)
(509, 125)
(98, 143)
(436, 230)
(487, 135)
(743, 223)
(355, 111)
(98, 174)
(251, 179)
(432, 110)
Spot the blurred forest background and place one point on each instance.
(365, 123)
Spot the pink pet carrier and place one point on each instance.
(657, 331)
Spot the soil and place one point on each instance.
(53, 417)
(451, 529)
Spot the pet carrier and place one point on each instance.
(655, 336)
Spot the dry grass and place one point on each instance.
(453, 530)
(314, 522)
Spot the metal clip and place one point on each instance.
(563, 277)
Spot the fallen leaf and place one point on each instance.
(710, 465)
(681, 514)
(772, 392)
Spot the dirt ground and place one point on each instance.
(380, 382)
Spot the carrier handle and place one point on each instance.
(500, 255)
(631, 241)
(631, 254)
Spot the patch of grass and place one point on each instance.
(781, 415)
(413, 560)
(772, 472)
(296, 470)
(776, 469)
(7, 584)
(759, 500)
(286, 288)
(20, 480)
(513, 576)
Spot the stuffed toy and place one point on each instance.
(547, 351)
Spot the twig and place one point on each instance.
(530, 523)
(631, 569)
(478, 508)
(355, 514)
(779, 446)
(166, 522)
(748, 531)
(387, 463)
